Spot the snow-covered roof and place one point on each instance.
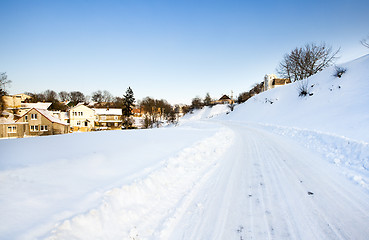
(50, 116)
(108, 111)
(39, 105)
(6, 120)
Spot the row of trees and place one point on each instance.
(256, 89)
(156, 111)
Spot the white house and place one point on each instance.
(81, 118)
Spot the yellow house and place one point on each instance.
(108, 118)
(81, 118)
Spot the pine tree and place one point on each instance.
(128, 104)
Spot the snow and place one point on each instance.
(50, 116)
(39, 105)
(108, 111)
(206, 113)
(296, 168)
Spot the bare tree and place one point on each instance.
(77, 97)
(64, 96)
(196, 103)
(107, 96)
(256, 89)
(102, 96)
(4, 82)
(365, 42)
(306, 61)
(50, 96)
(207, 100)
(97, 96)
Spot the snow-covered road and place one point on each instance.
(242, 183)
(267, 187)
(235, 181)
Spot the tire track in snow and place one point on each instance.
(336, 193)
(284, 176)
(140, 210)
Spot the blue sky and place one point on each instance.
(174, 50)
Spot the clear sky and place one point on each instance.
(175, 50)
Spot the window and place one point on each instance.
(43, 128)
(116, 117)
(34, 128)
(116, 124)
(12, 129)
(103, 117)
(34, 116)
(80, 113)
(86, 124)
(78, 123)
(26, 118)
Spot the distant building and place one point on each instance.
(108, 118)
(9, 128)
(81, 118)
(14, 101)
(41, 122)
(272, 81)
(223, 100)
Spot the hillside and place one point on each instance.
(338, 106)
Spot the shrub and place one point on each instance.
(339, 71)
(303, 88)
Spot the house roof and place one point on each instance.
(47, 115)
(224, 97)
(80, 105)
(108, 111)
(39, 105)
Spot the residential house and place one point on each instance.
(63, 116)
(272, 81)
(10, 129)
(108, 118)
(41, 122)
(81, 118)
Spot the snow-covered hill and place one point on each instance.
(338, 106)
(206, 113)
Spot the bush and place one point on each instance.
(303, 88)
(339, 71)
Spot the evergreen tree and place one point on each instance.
(128, 104)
